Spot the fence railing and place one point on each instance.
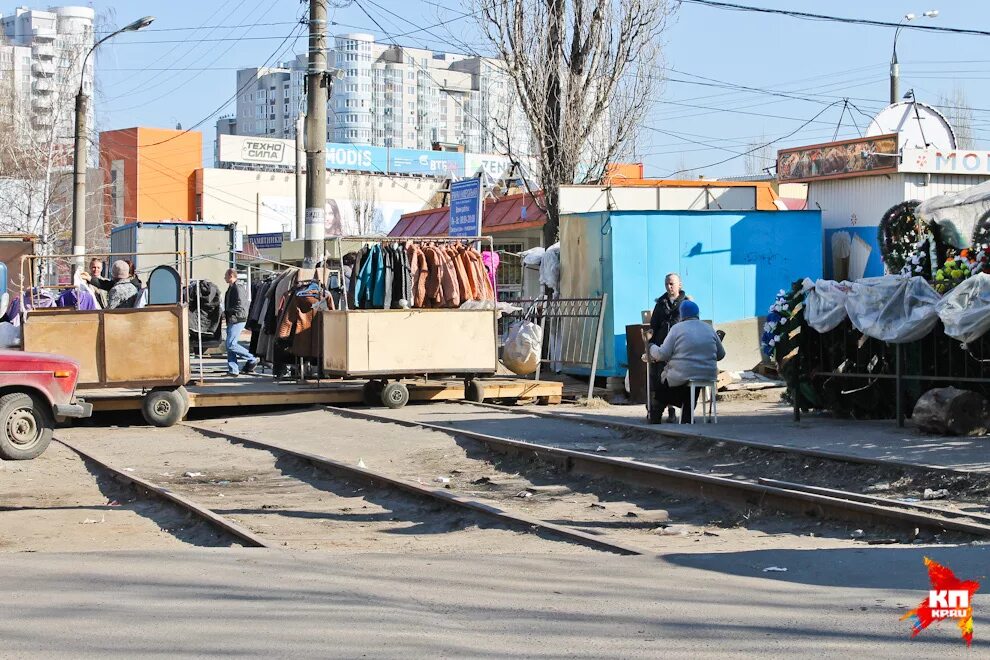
(572, 331)
(845, 363)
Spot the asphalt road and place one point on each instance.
(262, 603)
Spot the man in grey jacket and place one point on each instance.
(691, 350)
(235, 312)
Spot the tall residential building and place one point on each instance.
(41, 54)
(389, 96)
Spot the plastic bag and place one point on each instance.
(965, 311)
(532, 257)
(892, 308)
(958, 213)
(550, 267)
(10, 335)
(521, 353)
(825, 305)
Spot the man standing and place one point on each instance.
(665, 315)
(98, 285)
(235, 311)
(123, 293)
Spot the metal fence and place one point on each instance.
(856, 373)
(572, 331)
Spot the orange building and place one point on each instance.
(149, 174)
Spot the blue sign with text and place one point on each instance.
(262, 241)
(465, 207)
(356, 157)
(414, 161)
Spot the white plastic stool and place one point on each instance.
(708, 389)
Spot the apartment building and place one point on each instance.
(41, 54)
(388, 96)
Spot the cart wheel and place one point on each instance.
(474, 391)
(395, 395)
(163, 407)
(372, 393)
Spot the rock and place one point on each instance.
(939, 494)
(951, 411)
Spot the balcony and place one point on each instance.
(43, 68)
(42, 103)
(43, 50)
(42, 85)
(44, 33)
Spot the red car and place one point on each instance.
(36, 390)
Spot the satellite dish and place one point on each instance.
(917, 125)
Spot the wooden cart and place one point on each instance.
(386, 345)
(146, 348)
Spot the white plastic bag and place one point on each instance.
(10, 335)
(521, 353)
(965, 311)
(532, 257)
(892, 308)
(825, 305)
(550, 267)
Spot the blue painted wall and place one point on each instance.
(732, 263)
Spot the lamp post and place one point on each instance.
(895, 68)
(79, 158)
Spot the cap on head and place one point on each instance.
(689, 310)
(121, 270)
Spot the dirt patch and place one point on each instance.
(57, 502)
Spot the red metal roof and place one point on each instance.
(510, 213)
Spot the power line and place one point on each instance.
(838, 19)
(757, 148)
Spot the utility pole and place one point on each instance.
(300, 181)
(317, 95)
(79, 180)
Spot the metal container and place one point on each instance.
(208, 247)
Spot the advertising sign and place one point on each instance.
(263, 151)
(494, 166)
(465, 207)
(414, 161)
(945, 161)
(837, 160)
(266, 241)
(363, 158)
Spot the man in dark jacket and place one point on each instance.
(665, 314)
(235, 312)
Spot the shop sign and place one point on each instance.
(945, 161)
(465, 207)
(494, 166)
(266, 241)
(434, 163)
(838, 160)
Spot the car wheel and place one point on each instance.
(163, 407)
(25, 427)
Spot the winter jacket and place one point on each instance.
(123, 294)
(666, 313)
(235, 304)
(691, 351)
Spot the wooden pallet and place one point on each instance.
(260, 391)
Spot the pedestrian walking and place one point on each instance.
(235, 312)
(665, 314)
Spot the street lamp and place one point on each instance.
(79, 159)
(894, 66)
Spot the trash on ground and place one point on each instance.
(192, 474)
(774, 569)
(442, 480)
(524, 494)
(857, 534)
(939, 494)
(92, 521)
(361, 464)
(601, 448)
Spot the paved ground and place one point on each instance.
(261, 603)
(771, 423)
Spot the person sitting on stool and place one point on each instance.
(691, 350)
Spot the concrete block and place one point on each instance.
(742, 344)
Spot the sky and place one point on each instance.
(182, 69)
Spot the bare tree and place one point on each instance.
(759, 156)
(364, 201)
(955, 106)
(584, 73)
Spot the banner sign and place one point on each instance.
(266, 241)
(431, 163)
(363, 158)
(494, 166)
(838, 160)
(465, 207)
(945, 161)
(256, 150)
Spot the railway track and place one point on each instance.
(445, 498)
(786, 497)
